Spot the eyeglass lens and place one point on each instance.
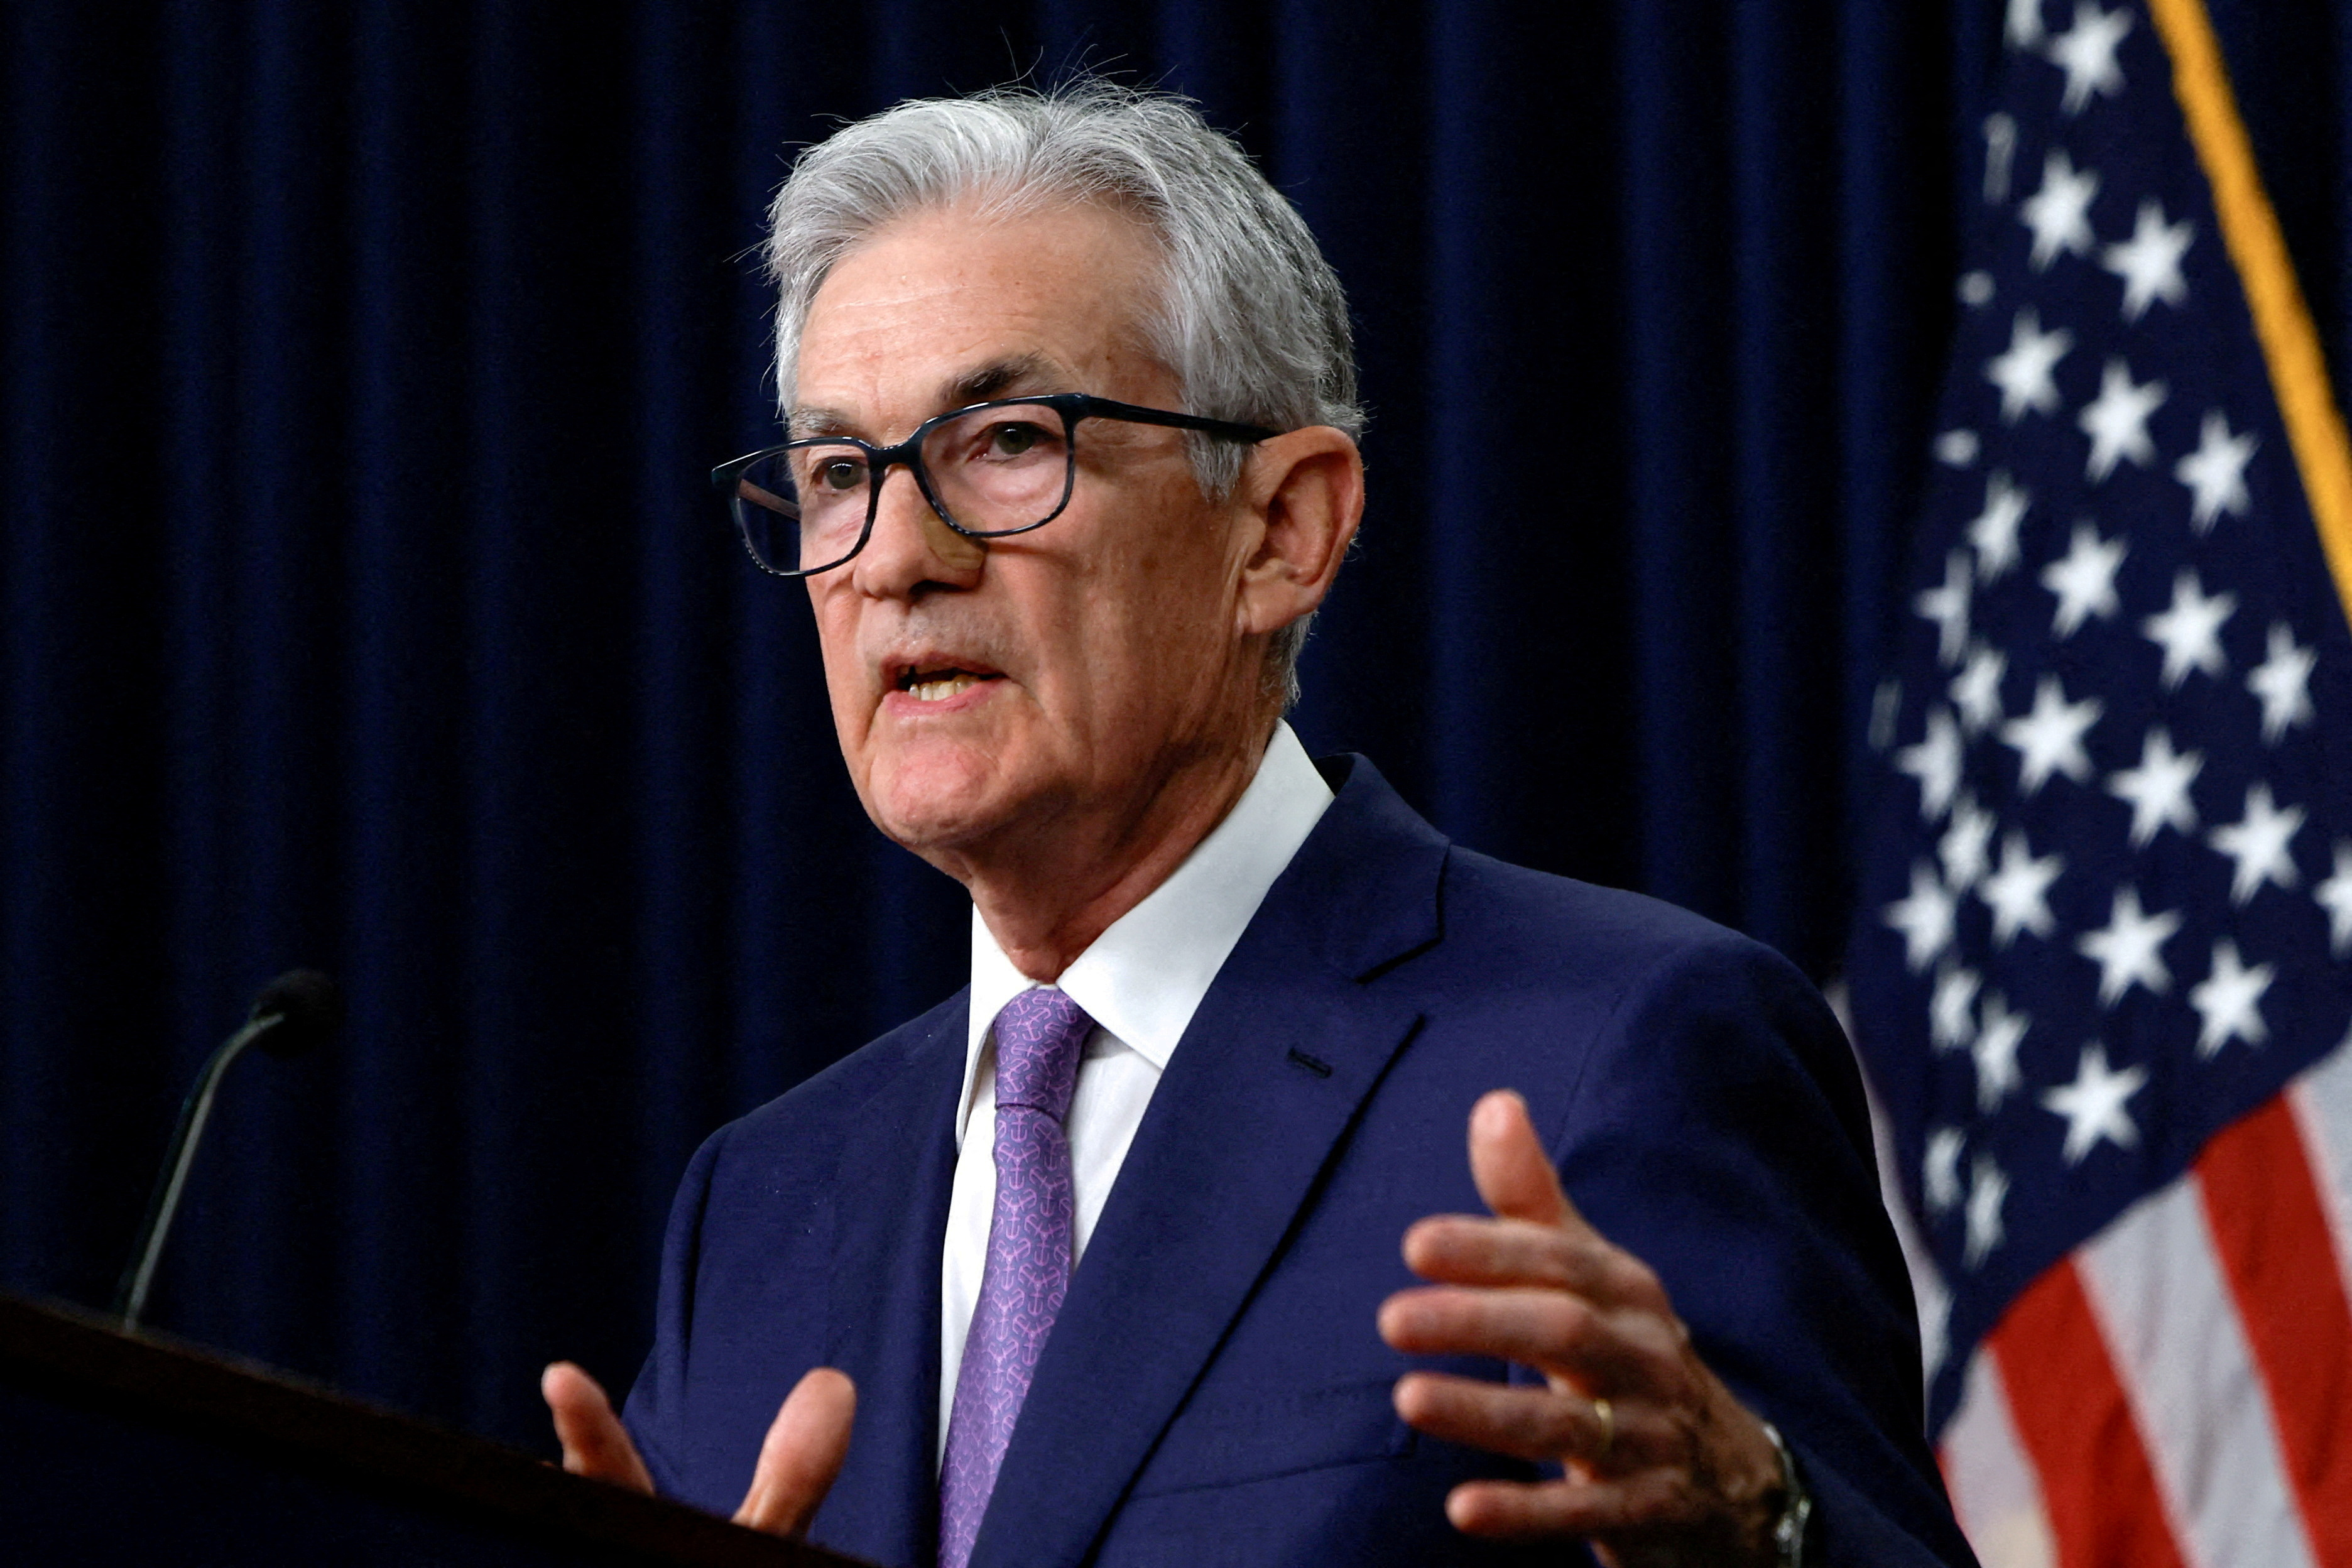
(992, 470)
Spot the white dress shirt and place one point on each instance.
(1140, 982)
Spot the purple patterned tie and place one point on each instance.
(1039, 1037)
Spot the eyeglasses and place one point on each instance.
(988, 470)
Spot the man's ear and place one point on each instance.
(1305, 489)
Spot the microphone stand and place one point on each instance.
(130, 1299)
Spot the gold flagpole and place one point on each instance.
(2281, 320)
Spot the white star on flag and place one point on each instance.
(1934, 762)
(2084, 579)
(1987, 1192)
(1998, 1034)
(1993, 531)
(2157, 790)
(2282, 682)
(1976, 690)
(2116, 421)
(1947, 606)
(2018, 893)
(2023, 370)
(2086, 53)
(2129, 948)
(2228, 1001)
(2150, 261)
(1951, 1013)
(2335, 896)
(2023, 24)
(2189, 633)
(2095, 1104)
(2059, 213)
(1940, 1170)
(1925, 917)
(2259, 842)
(2050, 739)
(2216, 472)
(1966, 846)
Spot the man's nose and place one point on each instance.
(911, 544)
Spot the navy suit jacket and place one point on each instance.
(1215, 1390)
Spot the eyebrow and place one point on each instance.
(1005, 377)
(1021, 373)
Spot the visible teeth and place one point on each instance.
(939, 690)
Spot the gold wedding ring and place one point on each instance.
(1607, 1420)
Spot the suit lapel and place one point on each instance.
(897, 1173)
(1263, 1088)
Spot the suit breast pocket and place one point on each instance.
(1222, 1439)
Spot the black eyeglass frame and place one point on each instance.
(1073, 407)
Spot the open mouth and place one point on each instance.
(939, 685)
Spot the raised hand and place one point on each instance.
(1663, 1465)
(798, 1461)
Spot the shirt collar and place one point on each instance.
(1144, 977)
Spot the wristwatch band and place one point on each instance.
(1796, 1508)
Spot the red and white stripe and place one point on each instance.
(2179, 1392)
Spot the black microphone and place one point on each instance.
(294, 1012)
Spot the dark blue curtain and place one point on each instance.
(366, 607)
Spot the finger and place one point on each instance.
(1526, 1423)
(1607, 1353)
(802, 1455)
(1462, 1249)
(1548, 1510)
(1508, 1165)
(594, 1442)
(1469, 1249)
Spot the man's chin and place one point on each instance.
(938, 802)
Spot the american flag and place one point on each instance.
(2099, 977)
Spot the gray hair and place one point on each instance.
(1252, 320)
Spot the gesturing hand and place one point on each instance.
(1663, 1465)
(798, 1461)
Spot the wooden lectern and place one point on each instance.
(127, 1448)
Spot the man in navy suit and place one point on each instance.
(1111, 1258)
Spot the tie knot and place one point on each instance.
(1038, 1037)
